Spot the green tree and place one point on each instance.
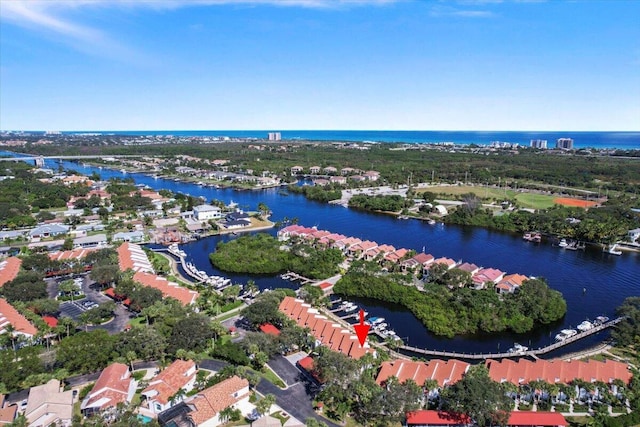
(190, 333)
(478, 396)
(85, 351)
(27, 286)
(68, 244)
(264, 405)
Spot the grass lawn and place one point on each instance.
(526, 200)
(535, 201)
(279, 416)
(226, 316)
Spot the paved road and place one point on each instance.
(283, 368)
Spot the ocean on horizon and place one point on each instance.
(597, 140)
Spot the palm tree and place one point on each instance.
(178, 396)
(131, 356)
(225, 414)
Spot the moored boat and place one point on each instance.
(585, 326)
(565, 333)
(518, 349)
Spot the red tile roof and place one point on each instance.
(557, 371)
(10, 316)
(74, 254)
(168, 382)
(324, 330)
(443, 372)
(9, 269)
(325, 285)
(437, 418)
(269, 329)
(51, 321)
(535, 419)
(168, 289)
(209, 402)
(112, 387)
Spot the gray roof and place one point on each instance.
(12, 234)
(90, 239)
(206, 208)
(49, 229)
(127, 235)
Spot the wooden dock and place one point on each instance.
(290, 275)
(531, 353)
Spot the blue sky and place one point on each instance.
(320, 64)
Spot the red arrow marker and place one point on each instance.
(362, 330)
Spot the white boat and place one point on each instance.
(600, 320)
(175, 250)
(563, 243)
(585, 326)
(351, 308)
(566, 333)
(518, 349)
(381, 326)
(376, 320)
(613, 251)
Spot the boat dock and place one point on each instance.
(532, 353)
(290, 275)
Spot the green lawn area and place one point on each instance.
(526, 200)
(269, 375)
(535, 201)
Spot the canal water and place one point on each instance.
(592, 282)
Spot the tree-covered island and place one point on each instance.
(445, 303)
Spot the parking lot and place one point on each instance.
(74, 309)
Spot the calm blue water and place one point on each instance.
(622, 140)
(606, 279)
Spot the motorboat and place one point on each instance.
(518, 349)
(585, 326)
(563, 243)
(566, 333)
(376, 320)
(600, 320)
(613, 251)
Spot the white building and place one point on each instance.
(207, 212)
(564, 143)
(539, 143)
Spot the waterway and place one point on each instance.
(592, 282)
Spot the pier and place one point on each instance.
(290, 275)
(531, 353)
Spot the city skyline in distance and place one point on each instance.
(320, 64)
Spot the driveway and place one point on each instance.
(293, 400)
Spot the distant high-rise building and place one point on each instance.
(539, 143)
(564, 143)
(275, 136)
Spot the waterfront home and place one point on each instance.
(396, 256)
(330, 239)
(359, 249)
(168, 289)
(49, 404)
(633, 235)
(76, 179)
(9, 269)
(131, 256)
(114, 386)
(469, 268)
(357, 178)
(318, 234)
(345, 244)
(487, 275)
(169, 387)
(444, 373)
(448, 262)
(432, 418)
(557, 371)
(295, 170)
(10, 316)
(418, 262)
(204, 408)
(314, 170)
(129, 236)
(321, 182)
(510, 283)
(206, 212)
(48, 230)
(379, 251)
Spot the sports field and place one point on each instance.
(526, 200)
(567, 201)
